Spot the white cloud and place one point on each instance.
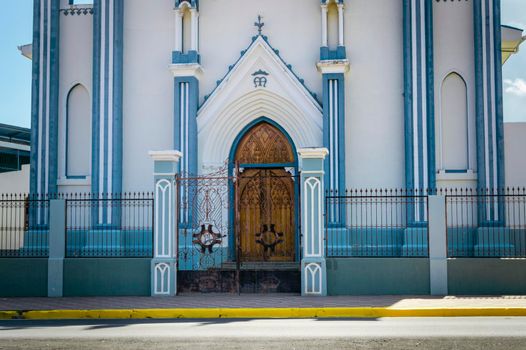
(515, 87)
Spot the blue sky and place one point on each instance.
(15, 70)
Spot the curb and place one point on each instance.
(210, 313)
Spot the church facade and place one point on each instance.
(404, 95)
(398, 94)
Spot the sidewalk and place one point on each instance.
(259, 306)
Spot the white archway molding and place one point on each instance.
(216, 133)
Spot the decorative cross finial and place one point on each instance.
(259, 24)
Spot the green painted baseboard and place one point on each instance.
(486, 276)
(107, 277)
(23, 277)
(377, 276)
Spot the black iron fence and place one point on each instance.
(486, 223)
(24, 225)
(109, 225)
(376, 223)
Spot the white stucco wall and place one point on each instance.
(514, 156)
(148, 88)
(374, 94)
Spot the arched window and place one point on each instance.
(186, 26)
(454, 124)
(78, 133)
(332, 24)
(187, 29)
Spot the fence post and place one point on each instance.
(164, 262)
(313, 268)
(437, 245)
(57, 238)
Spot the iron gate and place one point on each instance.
(238, 231)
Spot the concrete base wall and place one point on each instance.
(23, 277)
(106, 277)
(486, 276)
(376, 276)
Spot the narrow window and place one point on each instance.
(78, 133)
(187, 29)
(455, 153)
(332, 24)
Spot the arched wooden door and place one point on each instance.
(266, 198)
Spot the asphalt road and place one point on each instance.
(386, 333)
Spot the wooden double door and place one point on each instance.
(266, 195)
(266, 204)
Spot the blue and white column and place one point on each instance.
(419, 110)
(186, 70)
(186, 99)
(107, 104)
(44, 99)
(488, 104)
(333, 65)
(313, 267)
(164, 262)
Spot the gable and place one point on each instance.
(259, 84)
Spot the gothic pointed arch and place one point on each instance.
(264, 143)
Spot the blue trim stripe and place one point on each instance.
(117, 134)
(44, 101)
(499, 117)
(408, 93)
(95, 153)
(105, 141)
(35, 101)
(479, 97)
(430, 90)
(53, 96)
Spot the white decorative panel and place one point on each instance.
(312, 217)
(312, 279)
(162, 279)
(163, 218)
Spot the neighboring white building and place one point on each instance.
(14, 159)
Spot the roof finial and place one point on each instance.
(259, 24)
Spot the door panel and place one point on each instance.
(266, 212)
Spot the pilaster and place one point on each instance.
(419, 98)
(108, 18)
(44, 100)
(313, 265)
(164, 262)
(57, 247)
(333, 75)
(437, 245)
(488, 105)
